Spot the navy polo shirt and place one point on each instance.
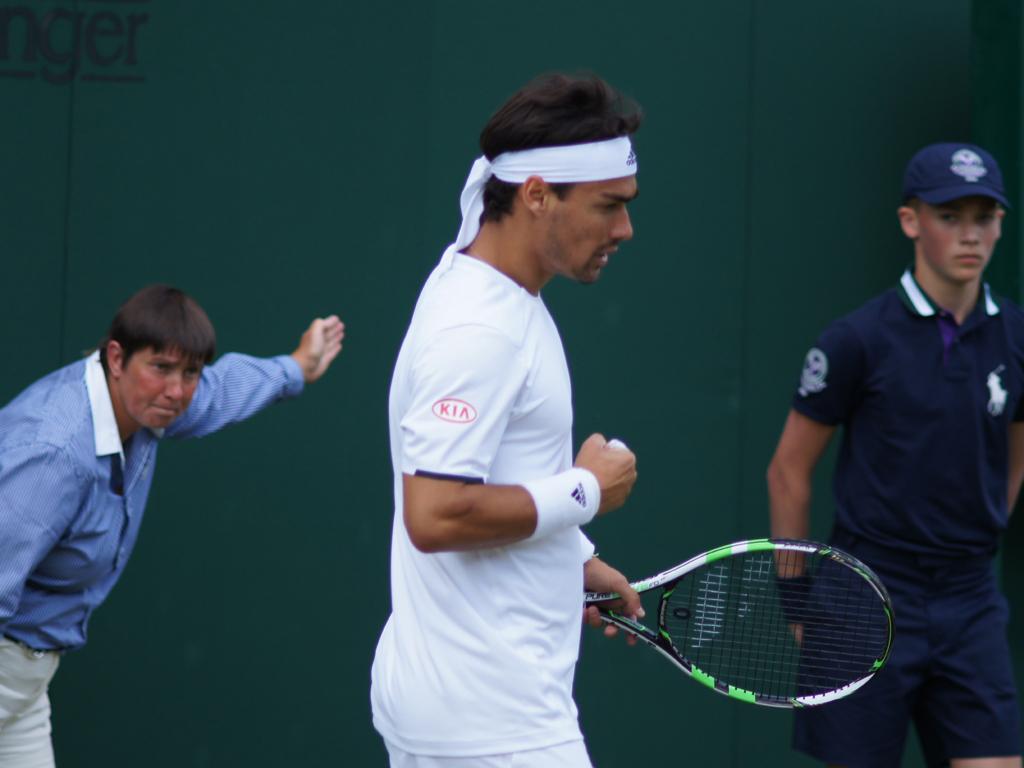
(923, 461)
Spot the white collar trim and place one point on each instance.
(916, 295)
(923, 304)
(990, 304)
(108, 439)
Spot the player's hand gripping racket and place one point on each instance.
(778, 622)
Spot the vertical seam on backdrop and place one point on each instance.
(66, 245)
(972, 63)
(745, 262)
(1018, 55)
(436, 41)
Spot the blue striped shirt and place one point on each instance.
(65, 532)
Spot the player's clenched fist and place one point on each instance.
(614, 466)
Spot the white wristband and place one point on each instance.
(567, 499)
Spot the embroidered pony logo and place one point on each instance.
(996, 393)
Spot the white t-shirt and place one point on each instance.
(479, 653)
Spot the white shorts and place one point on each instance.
(571, 754)
(24, 706)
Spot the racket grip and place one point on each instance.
(616, 444)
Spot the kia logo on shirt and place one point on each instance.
(454, 410)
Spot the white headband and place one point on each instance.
(594, 161)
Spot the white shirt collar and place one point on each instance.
(108, 439)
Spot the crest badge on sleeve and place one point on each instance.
(812, 378)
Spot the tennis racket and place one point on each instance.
(778, 622)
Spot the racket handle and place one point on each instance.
(616, 444)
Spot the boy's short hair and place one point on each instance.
(916, 202)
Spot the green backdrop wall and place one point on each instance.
(280, 161)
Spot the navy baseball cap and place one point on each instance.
(943, 172)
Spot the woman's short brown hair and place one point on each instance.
(164, 318)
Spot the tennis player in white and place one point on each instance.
(488, 564)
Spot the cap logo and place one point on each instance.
(631, 158)
(968, 165)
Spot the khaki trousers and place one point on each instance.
(24, 706)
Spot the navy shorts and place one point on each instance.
(949, 672)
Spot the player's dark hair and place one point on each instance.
(552, 110)
(164, 318)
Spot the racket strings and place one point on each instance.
(734, 621)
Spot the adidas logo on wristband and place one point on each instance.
(580, 496)
(564, 500)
